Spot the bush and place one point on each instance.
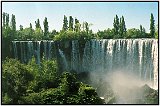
(69, 91)
(68, 83)
(40, 84)
(45, 75)
(72, 35)
(58, 96)
(15, 80)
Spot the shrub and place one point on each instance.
(45, 75)
(72, 35)
(15, 80)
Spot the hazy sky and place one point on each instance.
(100, 14)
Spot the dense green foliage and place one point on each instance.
(72, 29)
(156, 32)
(15, 80)
(43, 84)
(152, 26)
(46, 27)
(70, 23)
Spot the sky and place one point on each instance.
(100, 14)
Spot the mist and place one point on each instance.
(123, 86)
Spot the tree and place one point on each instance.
(86, 27)
(116, 26)
(156, 32)
(144, 35)
(13, 26)
(37, 24)
(15, 80)
(38, 34)
(4, 19)
(21, 27)
(45, 23)
(70, 23)
(152, 27)
(65, 24)
(77, 25)
(31, 30)
(142, 32)
(133, 33)
(13, 23)
(53, 33)
(122, 28)
(7, 20)
(141, 28)
(45, 76)
(68, 83)
(30, 25)
(106, 34)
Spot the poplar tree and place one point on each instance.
(13, 26)
(37, 23)
(30, 26)
(31, 30)
(7, 20)
(70, 23)
(4, 19)
(86, 27)
(13, 23)
(77, 25)
(46, 27)
(122, 28)
(65, 24)
(152, 26)
(116, 27)
(21, 27)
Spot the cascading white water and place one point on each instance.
(15, 49)
(139, 56)
(64, 60)
(75, 56)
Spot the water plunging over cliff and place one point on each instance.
(138, 56)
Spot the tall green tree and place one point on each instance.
(70, 23)
(116, 27)
(77, 25)
(31, 29)
(86, 27)
(4, 19)
(20, 27)
(13, 23)
(152, 26)
(46, 27)
(30, 25)
(142, 32)
(13, 26)
(122, 28)
(37, 24)
(65, 24)
(7, 20)
(6, 28)
(141, 28)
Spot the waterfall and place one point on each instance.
(15, 49)
(138, 56)
(64, 60)
(75, 57)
